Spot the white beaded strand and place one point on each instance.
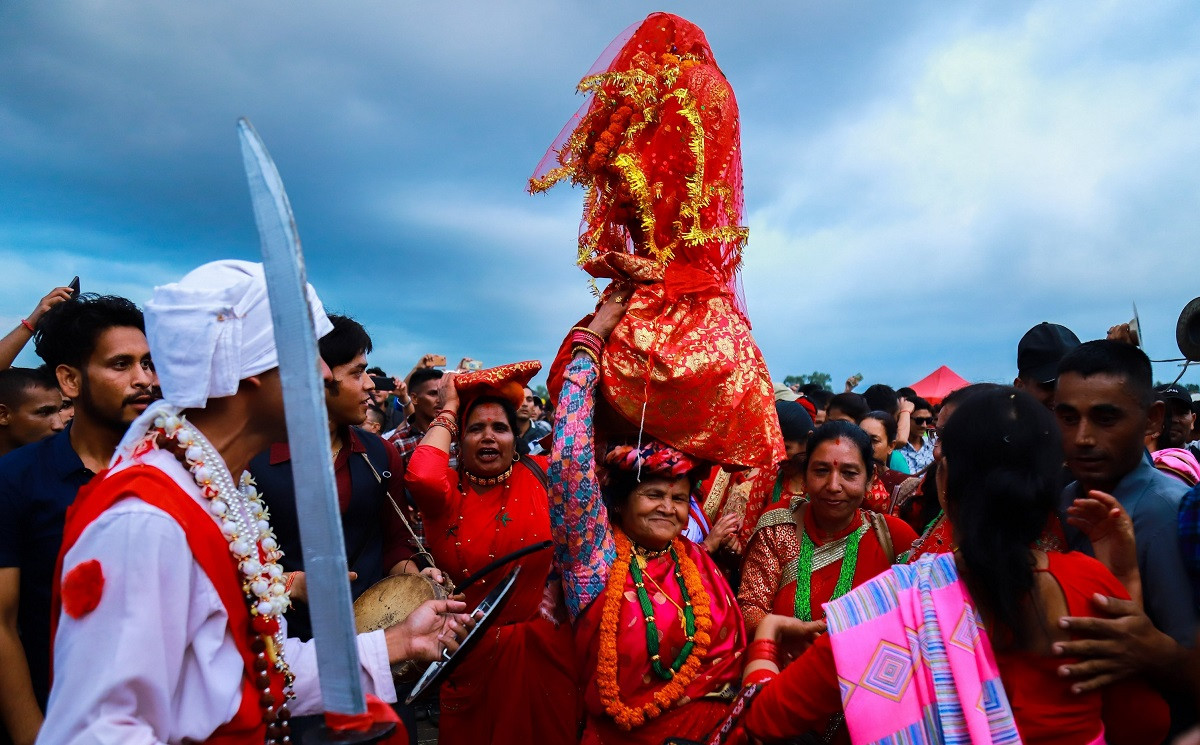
(245, 523)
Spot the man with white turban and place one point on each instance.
(169, 598)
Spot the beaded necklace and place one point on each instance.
(501, 517)
(689, 617)
(803, 603)
(244, 522)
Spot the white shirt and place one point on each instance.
(155, 661)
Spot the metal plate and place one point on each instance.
(491, 606)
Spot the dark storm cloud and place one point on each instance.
(923, 181)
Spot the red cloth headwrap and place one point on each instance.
(505, 381)
(653, 459)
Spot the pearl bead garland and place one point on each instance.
(245, 523)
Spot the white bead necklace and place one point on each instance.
(244, 522)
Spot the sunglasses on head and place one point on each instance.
(922, 420)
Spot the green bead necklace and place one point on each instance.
(803, 604)
(689, 616)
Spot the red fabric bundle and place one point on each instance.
(658, 148)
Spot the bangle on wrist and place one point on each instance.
(25, 322)
(291, 580)
(587, 331)
(762, 650)
(580, 348)
(446, 422)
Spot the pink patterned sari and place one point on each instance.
(914, 664)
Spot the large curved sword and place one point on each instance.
(308, 432)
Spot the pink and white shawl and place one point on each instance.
(914, 663)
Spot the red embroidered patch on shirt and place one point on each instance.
(81, 589)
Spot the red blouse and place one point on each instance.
(1047, 713)
(521, 683)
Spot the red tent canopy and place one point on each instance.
(938, 384)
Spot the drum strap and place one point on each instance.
(416, 540)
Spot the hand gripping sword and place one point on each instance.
(308, 440)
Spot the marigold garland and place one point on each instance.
(628, 717)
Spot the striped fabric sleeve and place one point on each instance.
(583, 544)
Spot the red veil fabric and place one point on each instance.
(658, 147)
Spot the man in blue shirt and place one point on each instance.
(1105, 404)
(918, 451)
(96, 347)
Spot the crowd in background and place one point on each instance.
(865, 477)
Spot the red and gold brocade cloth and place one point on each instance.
(658, 148)
(504, 381)
(693, 359)
(721, 669)
(657, 145)
(878, 498)
(748, 494)
(686, 371)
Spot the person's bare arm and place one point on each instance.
(429, 360)
(18, 705)
(402, 395)
(12, 344)
(903, 421)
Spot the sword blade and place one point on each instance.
(320, 521)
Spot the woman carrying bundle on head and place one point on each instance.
(959, 647)
(679, 381)
(659, 633)
(520, 684)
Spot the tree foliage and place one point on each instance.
(822, 379)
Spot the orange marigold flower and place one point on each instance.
(628, 717)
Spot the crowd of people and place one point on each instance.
(703, 556)
(680, 599)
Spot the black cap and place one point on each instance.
(1174, 392)
(1041, 349)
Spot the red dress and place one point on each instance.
(720, 670)
(520, 685)
(1045, 709)
(766, 489)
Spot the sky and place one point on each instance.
(924, 181)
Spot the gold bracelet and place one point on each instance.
(580, 348)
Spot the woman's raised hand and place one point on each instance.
(448, 391)
(722, 531)
(610, 312)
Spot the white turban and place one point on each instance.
(213, 328)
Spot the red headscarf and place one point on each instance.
(658, 147)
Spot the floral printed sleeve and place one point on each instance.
(583, 544)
